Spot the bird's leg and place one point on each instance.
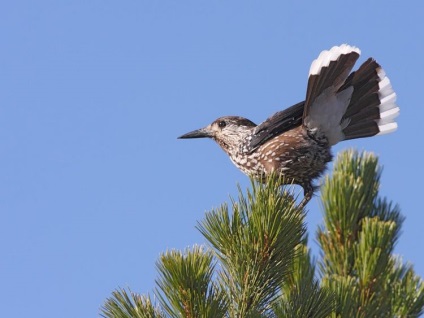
(308, 192)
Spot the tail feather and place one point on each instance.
(329, 70)
(372, 109)
(326, 102)
(344, 106)
(365, 128)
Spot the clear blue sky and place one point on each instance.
(94, 184)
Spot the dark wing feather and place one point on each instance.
(277, 124)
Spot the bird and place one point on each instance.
(295, 143)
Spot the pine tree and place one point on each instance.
(257, 263)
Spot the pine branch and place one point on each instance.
(406, 290)
(259, 265)
(302, 295)
(255, 244)
(357, 240)
(186, 287)
(347, 197)
(129, 305)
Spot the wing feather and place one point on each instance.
(275, 125)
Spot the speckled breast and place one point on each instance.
(296, 154)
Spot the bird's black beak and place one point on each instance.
(199, 133)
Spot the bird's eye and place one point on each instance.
(222, 124)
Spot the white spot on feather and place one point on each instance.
(388, 108)
(333, 54)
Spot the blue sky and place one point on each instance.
(93, 94)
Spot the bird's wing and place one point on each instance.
(276, 124)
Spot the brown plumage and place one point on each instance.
(296, 142)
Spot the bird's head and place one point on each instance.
(229, 132)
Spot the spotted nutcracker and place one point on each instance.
(296, 142)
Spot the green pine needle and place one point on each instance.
(129, 305)
(357, 240)
(255, 244)
(185, 284)
(257, 263)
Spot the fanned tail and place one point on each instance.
(342, 106)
